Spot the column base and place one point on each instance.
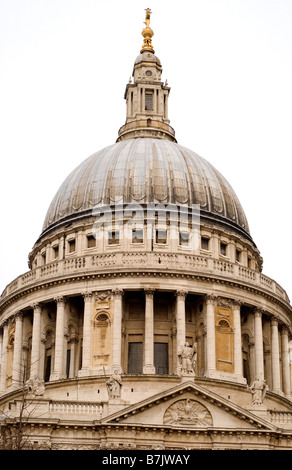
(149, 370)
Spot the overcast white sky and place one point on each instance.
(64, 65)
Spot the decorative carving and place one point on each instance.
(226, 303)
(181, 294)
(188, 412)
(87, 296)
(149, 293)
(118, 293)
(35, 387)
(60, 300)
(102, 295)
(237, 303)
(211, 299)
(36, 306)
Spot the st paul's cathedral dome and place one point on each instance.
(145, 320)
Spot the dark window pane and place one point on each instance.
(135, 358)
(161, 358)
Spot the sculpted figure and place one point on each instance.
(258, 389)
(114, 385)
(35, 386)
(188, 358)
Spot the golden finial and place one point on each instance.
(147, 33)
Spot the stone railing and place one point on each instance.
(281, 418)
(156, 261)
(76, 408)
(42, 407)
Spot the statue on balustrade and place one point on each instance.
(258, 390)
(187, 359)
(114, 385)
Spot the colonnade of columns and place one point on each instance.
(279, 370)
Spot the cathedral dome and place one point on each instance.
(144, 171)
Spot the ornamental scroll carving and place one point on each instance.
(188, 412)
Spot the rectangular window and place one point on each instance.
(161, 358)
(238, 253)
(68, 363)
(149, 100)
(48, 369)
(91, 241)
(184, 238)
(135, 358)
(204, 243)
(56, 251)
(113, 237)
(223, 249)
(161, 236)
(72, 245)
(137, 236)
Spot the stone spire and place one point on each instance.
(147, 95)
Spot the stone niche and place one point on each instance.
(224, 337)
(101, 330)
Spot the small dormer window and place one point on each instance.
(149, 100)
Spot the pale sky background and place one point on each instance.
(64, 65)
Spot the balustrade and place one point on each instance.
(177, 261)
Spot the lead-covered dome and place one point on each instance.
(146, 170)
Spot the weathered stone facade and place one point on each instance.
(156, 332)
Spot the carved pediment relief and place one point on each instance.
(188, 405)
(188, 413)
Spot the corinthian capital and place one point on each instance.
(118, 293)
(211, 299)
(181, 294)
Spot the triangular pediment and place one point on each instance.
(189, 405)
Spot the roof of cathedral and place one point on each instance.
(146, 165)
(146, 170)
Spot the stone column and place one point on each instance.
(258, 340)
(285, 363)
(36, 342)
(86, 351)
(59, 372)
(17, 368)
(148, 367)
(180, 321)
(210, 323)
(4, 357)
(276, 381)
(117, 331)
(238, 370)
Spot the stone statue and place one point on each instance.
(258, 389)
(114, 385)
(35, 387)
(188, 358)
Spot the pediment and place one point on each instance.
(189, 405)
